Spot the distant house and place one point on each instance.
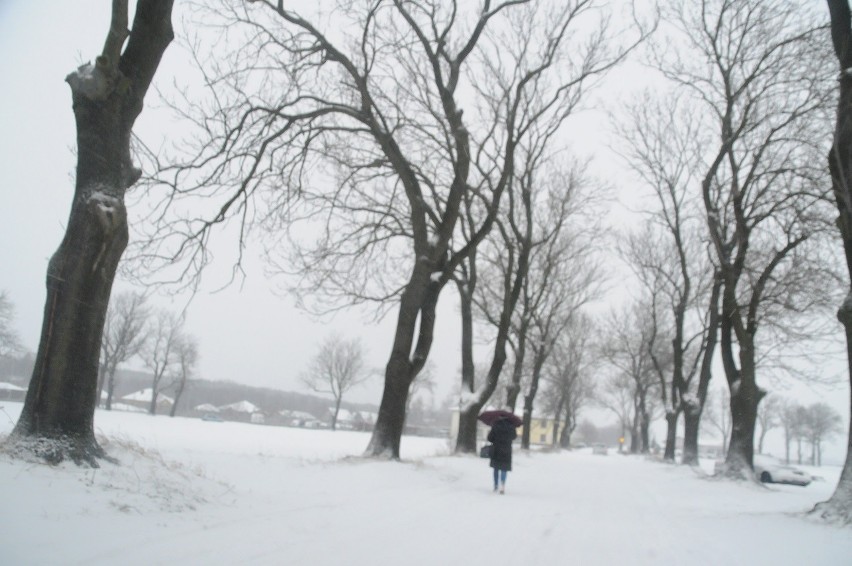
(299, 419)
(542, 430)
(354, 420)
(206, 408)
(246, 407)
(128, 408)
(142, 399)
(243, 411)
(10, 392)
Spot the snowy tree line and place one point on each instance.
(383, 152)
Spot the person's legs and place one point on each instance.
(496, 477)
(502, 481)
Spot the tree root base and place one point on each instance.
(832, 513)
(54, 450)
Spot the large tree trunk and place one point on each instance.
(337, 402)
(745, 397)
(417, 305)
(468, 412)
(671, 436)
(565, 438)
(840, 166)
(645, 428)
(110, 390)
(57, 420)
(691, 424)
(155, 393)
(529, 398)
(513, 390)
(694, 408)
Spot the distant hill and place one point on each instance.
(17, 370)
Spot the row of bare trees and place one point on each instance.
(801, 424)
(738, 254)
(133, 329)
(739, 237)
(386, 148)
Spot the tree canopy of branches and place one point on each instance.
(161, 352)
(57, 418)
(627, 346)
(663, 141)
(756, 72)
(336, 368)
(538, 269)
(123, 338)
(568, 376)
(371, 121)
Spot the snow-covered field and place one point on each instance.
(195, 492)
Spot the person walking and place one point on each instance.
(501, 435)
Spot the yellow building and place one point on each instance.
(541, 430)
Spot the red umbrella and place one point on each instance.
(491, 417)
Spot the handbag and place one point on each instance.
(486, 451)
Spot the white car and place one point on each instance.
(770, 470)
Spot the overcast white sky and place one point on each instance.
(248, 335)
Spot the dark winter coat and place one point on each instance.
(501, 436)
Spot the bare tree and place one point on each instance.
(790, 418)
(840, 166)
(617, 396)
(663, 140)
(124, 336)
(793, 420)
(821, 422)
(626, 347)
(768, 417)
(538, 269)
(370, 99)
(186, 361)
(107, 96)
(757, 70)
(568, 374)
(10, 343)
(718, 414)
(162, 350)
(336, 368)
(563, 278)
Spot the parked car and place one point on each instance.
(771, 470)
(600, 449)
(212, 417)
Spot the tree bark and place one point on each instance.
(745, 397)
(671, 436)
(417, 304)
(336, 413)
(840, 166)
(513, 390)
(693, 411)
(466, 437)
(57, 420)
(529, 398)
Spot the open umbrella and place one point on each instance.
(491, 417)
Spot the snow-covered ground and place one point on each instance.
(195, 492)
